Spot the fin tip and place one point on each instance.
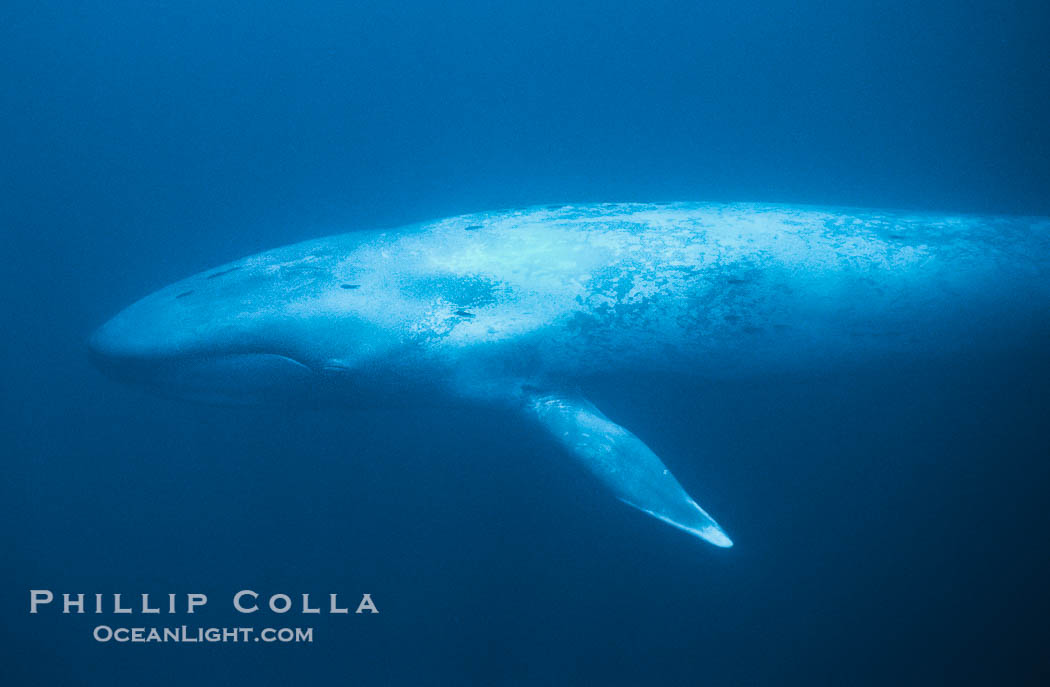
(717, 537)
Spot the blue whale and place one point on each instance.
(524, 308)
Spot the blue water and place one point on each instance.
(890, 522)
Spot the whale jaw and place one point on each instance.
(236, 378)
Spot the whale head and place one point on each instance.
(258, 330)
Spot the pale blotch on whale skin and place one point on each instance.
(525, 307)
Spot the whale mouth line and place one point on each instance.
(105, 359)
(207, 375)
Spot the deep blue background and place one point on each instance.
(891, 523)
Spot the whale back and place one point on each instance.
(713, 288)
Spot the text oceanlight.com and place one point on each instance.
(191, 635)
(246, 601)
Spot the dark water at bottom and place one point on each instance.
(889, 524)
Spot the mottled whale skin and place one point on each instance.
(521, 307)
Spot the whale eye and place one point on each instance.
(349, 286)
(184, 294)
(472, 227)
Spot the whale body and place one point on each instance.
(523, 307)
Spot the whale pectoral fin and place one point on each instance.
(622, 462)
